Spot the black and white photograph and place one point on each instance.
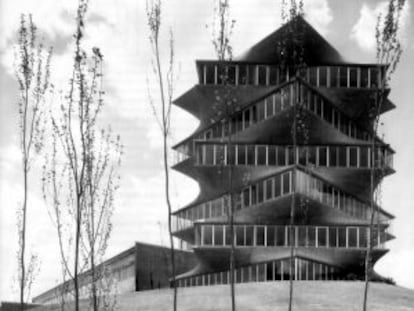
(206, 155)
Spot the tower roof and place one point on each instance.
(316, 50)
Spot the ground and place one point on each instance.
(308, 296)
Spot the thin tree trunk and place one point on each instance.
(24, 207)
(76, 262)
(292, 205)
(23, 239)
(231, 220)
(166, 172)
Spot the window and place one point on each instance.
(218, 235)
(221, 74)
(260, 192)
(260, 236)
(364, 77)
(277, 185)
(231, 74)
(269, 189)
(261, 155)
(342, 237)
(260, 110)
(312, 155)
(231, 155)
(290, 155)
(353, 156)
(209, 154)
(323, 76)
(281, 156)
(253, 194)
(238, 122)
(249, 235)
(363, 237)
(286, 183)
(343, 76)
(269, 107)
(342, 156)
(207, 233)
(239, 235)
(271, 236)
(241, 155)
(246, 197)
(333, 79)
(252, 74)
(273, 75)
(243, 79)
(303, 154)
(302, 236)
(227, 238)
(250, 155)
(271, 155)
(280, 236)
(323, 156)
(327, 112)
(364, 156)
(333, 156)
(374, 77)
(311, 237)
(262, 75)
(332, 237)
(312, 72)
(352, 237)
(322, 233)
(277, 98)
(353, 77)
(246, 118)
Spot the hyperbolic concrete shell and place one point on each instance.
(330, 180)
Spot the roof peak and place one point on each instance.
(295, 34)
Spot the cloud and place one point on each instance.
(363, 32)
(319, 14)
(398, 265)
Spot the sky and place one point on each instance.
(119, 29)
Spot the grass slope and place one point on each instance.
(308, 296)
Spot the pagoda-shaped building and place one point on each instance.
(326, 169)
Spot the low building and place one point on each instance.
(141, 267)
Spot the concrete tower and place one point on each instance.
(324, 165)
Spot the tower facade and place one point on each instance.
(294, 150)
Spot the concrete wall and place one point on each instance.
(153, 265)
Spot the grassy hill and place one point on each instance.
(308, 296)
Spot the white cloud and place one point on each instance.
(398, 265)
(319, 14)
(363, 31)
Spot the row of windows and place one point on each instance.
(331, 196)
(279, 101)
(329, 156)
(325, 76)
(273, 188)
(260, 192)
(303, 236)
(304, 270)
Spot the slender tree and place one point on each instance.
(80, 176)
(31, 64)
(292, 60)
(221, 31)
(388, 54)
(165, 81)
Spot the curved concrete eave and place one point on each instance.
(277, 130)
(217, 259)
(353, 180)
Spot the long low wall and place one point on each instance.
(141, 267)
